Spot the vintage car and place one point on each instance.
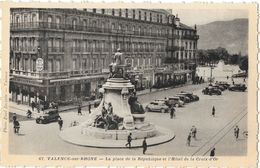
(176, 101)
(192, 96)
(238, 87)
(211, 91)
(223, 84)
(48, 116)
(183, 98)
(157, 106)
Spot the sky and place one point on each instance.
(191, 17)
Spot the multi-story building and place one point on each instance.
(77, 45)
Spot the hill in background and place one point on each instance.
(232, 35)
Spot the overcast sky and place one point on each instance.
(191, 17)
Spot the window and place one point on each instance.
(190, 45)
(151, 19)
(103, 11)
(58, 22)
(84, 24)
(17, 19)
(74, 64)
(49, 21)
(133, 14)
(94, 10)
(145, 17)
(94, 24)
(74, 24)
(50, 66)
(140, 15)
(157, 17)
(58, 69)
(34, 18)
(113, 26)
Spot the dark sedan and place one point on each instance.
(238, 87)
(211, 91)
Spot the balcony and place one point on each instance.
(55, 49)
(191, 37)
(56, 75)
(78, 27)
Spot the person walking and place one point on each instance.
(29, 114)
(194, 132)
(79, 110)
(213, 111)
(33, 105)
(129, 140)
(144, 145)
(189, 139)
(172, 113)
(212, 152)
(16, 127)
(236, 132)
(14, 117)
(60, 122)
(89, 108)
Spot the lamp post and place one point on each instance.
(211, 69)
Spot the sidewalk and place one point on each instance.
(21, 109)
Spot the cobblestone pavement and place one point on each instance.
(212, 131)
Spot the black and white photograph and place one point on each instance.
(129, 81)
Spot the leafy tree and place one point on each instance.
(244, 64)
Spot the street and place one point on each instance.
(218, 131)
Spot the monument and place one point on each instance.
(118, 115)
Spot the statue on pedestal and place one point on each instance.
(117, 67)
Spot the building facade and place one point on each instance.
(77, 46)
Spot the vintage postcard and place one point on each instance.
(129, 84)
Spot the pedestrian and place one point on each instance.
(129, 140)
(194, 132)
(212, 152)
(29, 114)
(79, 110)
(189, 139)
(16, 127)
(236, 132)
(38, 107)
(89, 108)
(33, 105)
(60, 122)
(144, 145)
(227, 77)
(213, 111)
(14, 117)
(172, 113)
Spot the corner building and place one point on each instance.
(77, 46)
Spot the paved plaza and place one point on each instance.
(231, 110)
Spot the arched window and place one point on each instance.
(84, 24)
(34, 19)
(49, 21)
(58, 22)
(74, 24)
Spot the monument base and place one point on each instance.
(101, 138)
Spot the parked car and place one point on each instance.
(219, 87)
(192, 96)
(157, 106)
(176, 101)
(183, 98)
(211, 91)
(223, 84)
(48, 116)
(238, 87)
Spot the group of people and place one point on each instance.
(129, 140)
(192, 134)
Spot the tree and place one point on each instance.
(244, 64)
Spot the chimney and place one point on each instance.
(177, 21)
